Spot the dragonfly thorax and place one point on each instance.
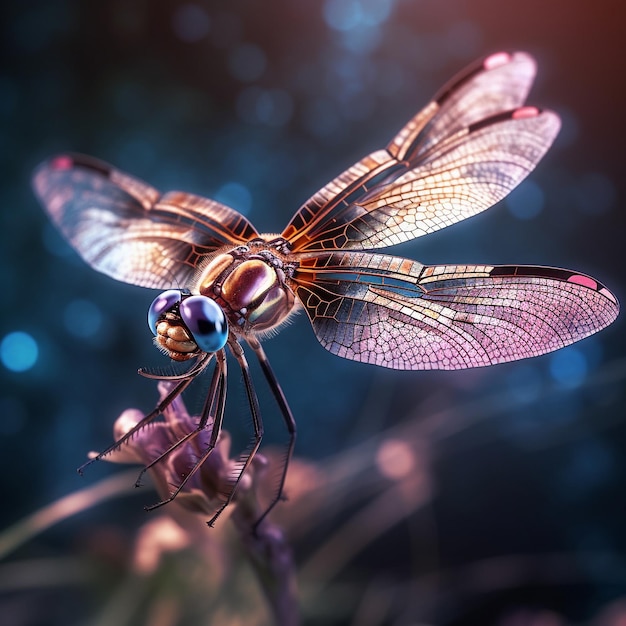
(249, 283)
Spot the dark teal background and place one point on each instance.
(258, 104)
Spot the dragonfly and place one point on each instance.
(226, 287)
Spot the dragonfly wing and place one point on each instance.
(401, 314)
(465, 175)
(127, 229)
(460, 155)
(500, 82)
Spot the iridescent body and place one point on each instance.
(250, 283)
(228, 286)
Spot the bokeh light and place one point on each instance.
(18, 351)
(191, 22)
(525, 383)
(568, 366)
(273, 107)
(82, 318)
(236, 196)
(526, 201)
(395, 459)
(346, 15)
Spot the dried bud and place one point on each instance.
(202, 494)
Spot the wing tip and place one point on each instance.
(64, 161)
(597, 286)
(591, 283)
(59, 162)
(492, 62)
(549, 119)
(563, 275)
(504, 57)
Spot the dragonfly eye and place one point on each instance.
(206, 321)
(160, 305)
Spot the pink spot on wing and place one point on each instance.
(496, 60)
(585, 281)
(62, 163)
(525, 112)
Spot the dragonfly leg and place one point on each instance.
(246, 457)
(288, 418)
(197, 367)
(217, 387)
(215, 403)
(163, 404)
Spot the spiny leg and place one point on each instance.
(246, 458)
(211, 405)
(163, 404)
(219, 376)
(193, 371)
(288, 418)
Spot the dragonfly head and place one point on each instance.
(185, 325)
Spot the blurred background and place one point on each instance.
(492, 496)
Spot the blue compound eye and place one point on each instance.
(206, 321)
(162, 304)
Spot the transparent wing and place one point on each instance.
(500, 82)
(127, 229)
(460, 155)
(401, 314)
